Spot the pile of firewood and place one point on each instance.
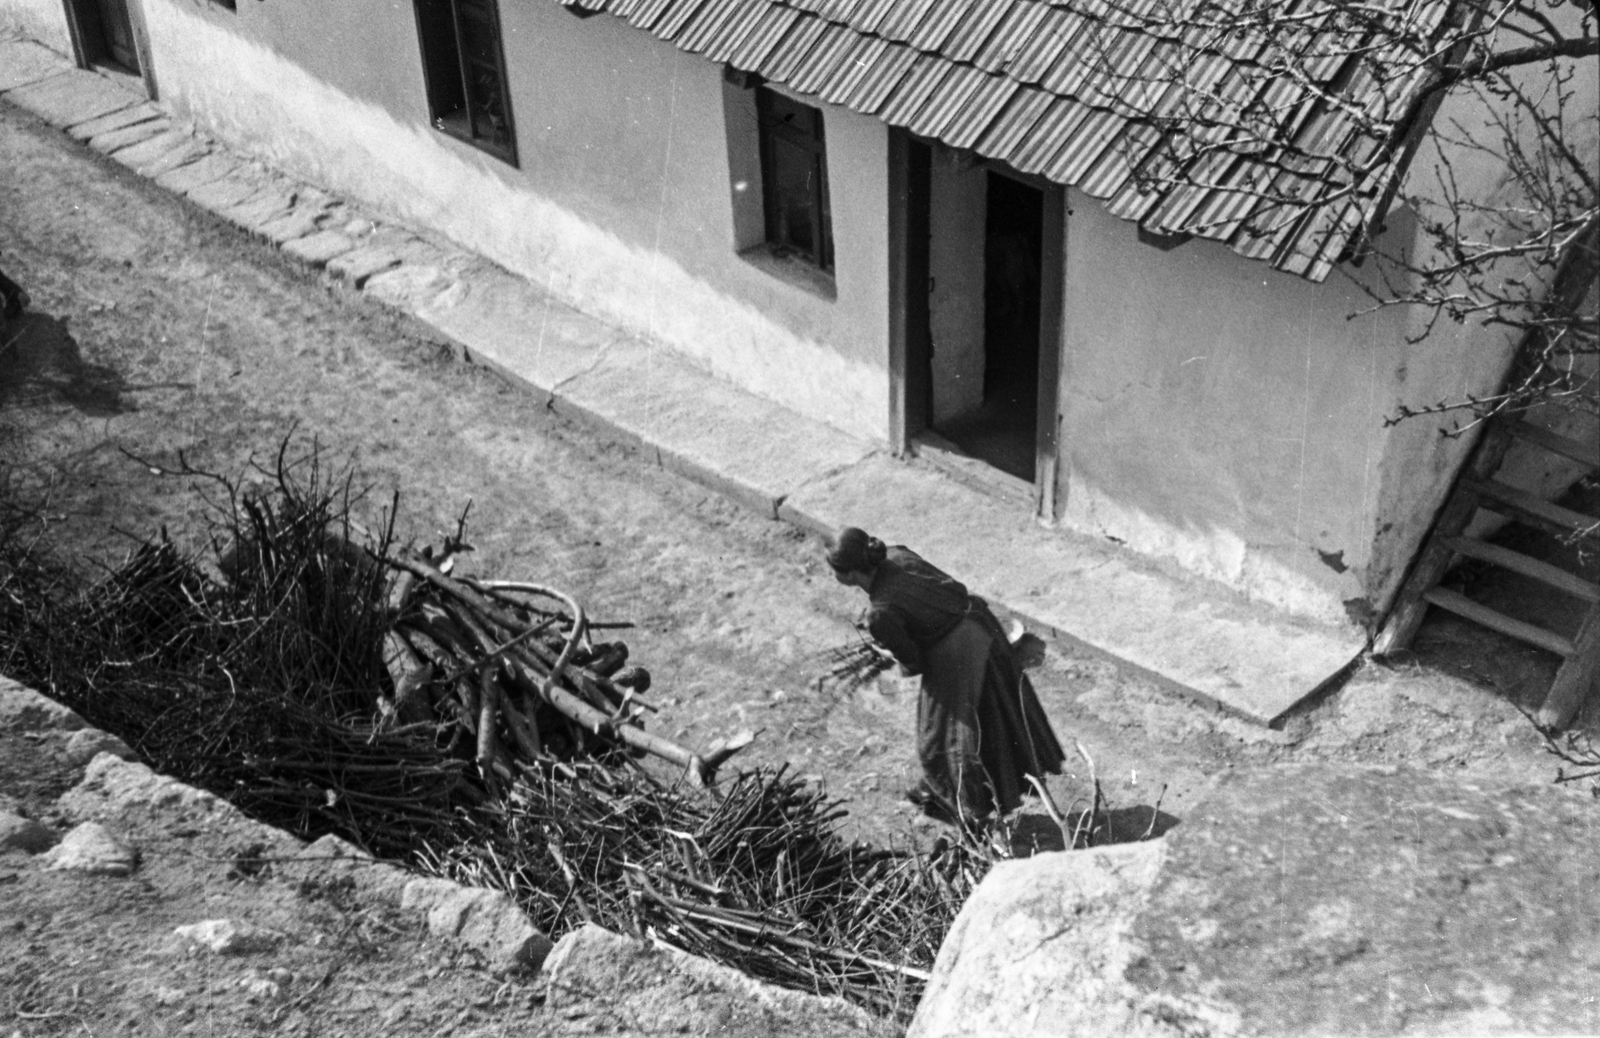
(522, 680)
(329, 679)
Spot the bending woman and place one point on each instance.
(980, 728)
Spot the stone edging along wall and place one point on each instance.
(119, 795)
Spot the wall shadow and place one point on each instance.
(40, 362)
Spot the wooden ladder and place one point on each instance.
(1477, 488)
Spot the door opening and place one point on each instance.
(986, 369)
(105, 34)
(977, 265)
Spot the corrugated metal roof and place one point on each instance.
(1087, 92)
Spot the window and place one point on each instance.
(465, 73)
(794, 179)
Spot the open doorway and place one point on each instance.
(998, 422)
(105, 34)
(977, 264)
(985, 233)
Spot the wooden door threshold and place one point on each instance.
(972, 472)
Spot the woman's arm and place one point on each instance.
(889, 630)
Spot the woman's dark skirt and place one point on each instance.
(980, 728)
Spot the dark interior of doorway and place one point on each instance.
(1001, 430)
(105, 32)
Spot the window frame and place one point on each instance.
(771, 131)
(449, 123)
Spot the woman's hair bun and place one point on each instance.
(855, 550)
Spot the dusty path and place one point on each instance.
(158, 330)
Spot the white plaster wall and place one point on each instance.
(42, 20)
(1222, 415)
(957, 212)
(1232, 419)
(631, 222)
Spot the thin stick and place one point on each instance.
(498, 651)
(1155, 812)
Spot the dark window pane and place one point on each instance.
(465, 76)
(441, 61)
(794, 177)
(478, 38)
(794, 186)
(802, 119)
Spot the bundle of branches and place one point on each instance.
(752, 875)
(852, 664)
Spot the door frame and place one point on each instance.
(910, 357)
(80, 16)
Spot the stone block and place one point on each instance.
(333, 858)
(360, 264)
(409, 287)
(205, 170)
(261, 208)
(24, 834)
(148, 150)
(319, 247)
(131, 793)
(181, 155)
(298, 222)
(1295, 900)
(127, 136)
(487, 921)
(93, 849)
(86, 744)
(139, 113)
(229, 191)
(625, 986)
(74, 96)
(24, 710)
(24, 61)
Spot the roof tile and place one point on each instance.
(1087, 95)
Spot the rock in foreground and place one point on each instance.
(91, 848)
(639, 988)
(1305, 899)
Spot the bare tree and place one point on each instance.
(1316, 116)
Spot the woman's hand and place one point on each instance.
(906, 683)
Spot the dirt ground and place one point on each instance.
(156, 329)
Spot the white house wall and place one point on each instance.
(621, 202)
(42, 20)
(1230, 418)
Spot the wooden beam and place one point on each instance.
(1052, 340)
(1463, 606)
(1405, 616)
(899, 435)
(1576, 678)
(1554, 576)
(1583, 453)
(1525, 507)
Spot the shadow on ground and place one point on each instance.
(1037, 833)
(40, 362)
